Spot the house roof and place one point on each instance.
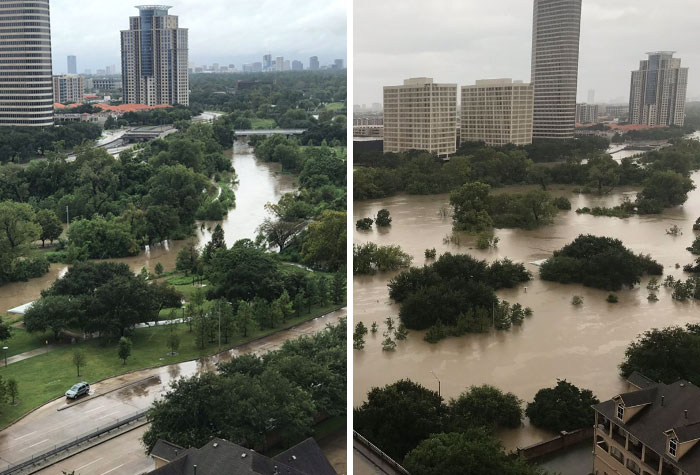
(688, 433)
(307, 457)
(653, 421)
(166, 450)
(637, 379)
(221, 457)
(639, 398)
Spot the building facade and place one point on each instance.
(587, 113)
(297, 65)
(420, 115)
(497, 112)
(154, 58)
(26, 90)
(657, 91)
(652, 429)
(68, 89)
(72, 64)
(555, 49)
(313, 63)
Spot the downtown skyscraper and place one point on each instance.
(657, 91)
(556, 28)
(26, 88)
(155, 58)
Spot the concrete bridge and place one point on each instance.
(268, 132)
(139, 134)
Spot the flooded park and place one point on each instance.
(583, 344)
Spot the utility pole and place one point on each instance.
(438, 380)
(219, 326)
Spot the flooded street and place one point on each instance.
(581, 344)
(258, 183)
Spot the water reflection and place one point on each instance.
(583, 345)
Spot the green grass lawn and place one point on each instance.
(335, 106)
(263, 124)
(22, 341)
(44, 377)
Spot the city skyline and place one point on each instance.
(315, 28)
(493, 40)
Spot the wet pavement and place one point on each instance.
(59, 422)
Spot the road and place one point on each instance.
(59, 422)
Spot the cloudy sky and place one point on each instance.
(465, 40)
(222, 31)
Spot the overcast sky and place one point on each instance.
(465, 40)
(222, 31)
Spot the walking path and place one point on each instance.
(29, 354)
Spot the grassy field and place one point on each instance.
(22, 341)
(44, 377)
(263, 124)
(335, 106)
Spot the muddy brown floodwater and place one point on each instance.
(258, 183)
(581, 344)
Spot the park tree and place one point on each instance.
(286, 305)
(469, 204)
(338, 288)
(18, 228)
(279, 232)
(323, 290)
(173, 342)
(120, 304)
(564, 407)
(51, 227)
(299, 303)
(485, 406)
(667, 188)
(79, 359)
(52, 312)
(383, 218)
(216, 242)
(124, 348)
(244, 317)
(665, 354)
(399, 416)
(358, 336)
(12, 390)
(158, 269)
(5, 331)
(188, 259)
(474, 451)
(325, 243)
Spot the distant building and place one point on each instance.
(657, 91)
(104, 84)
(68, 89)
(279, 63)
(87, 72)
(286, 66)
(591, 96)
(611, 111)
(420, 115)
(338, 64)
(555, 46)
(587, 113)
(26, 95)
(220, 456)
(653, 428)
(497, 112)
(257, 67)
(72, 64)
(313, 63)
(215, 67)
(368, 131)
(297, 65)
(154, 58)
(267, 62)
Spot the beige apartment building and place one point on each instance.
(421, 115)
(154, 58)
(497, 112)
(652, 429)
(658, 90)
(68, 89)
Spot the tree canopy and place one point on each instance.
(563, 407)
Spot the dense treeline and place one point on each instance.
(382, 175)
(369, 258)
(308, 225)
(252, 397)
(118, 205)
(661, 133)
(20, 227)
(103, 297)
(19, 144)
(414, 425)
(456, 295)
(599, 262)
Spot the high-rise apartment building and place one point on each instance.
(556, 29)
(68, 89)
(420, 115)
(587, 113)
(279, 63)
(497, 112)
(257, 67)
(313, 63)
(658, 89)
(338, 64)
(591, 96)
(154, 58)
(297, 65)
(26, 92)
(72, 65)
(267, 62)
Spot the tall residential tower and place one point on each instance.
(657, 92)
(556, 29)
(154, 58)
(72, 64)
(420, 115)
(26, 88)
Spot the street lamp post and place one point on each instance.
(438, 380)
(5, 348)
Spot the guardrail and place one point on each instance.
(379, 453)
(57, 449)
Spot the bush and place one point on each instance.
(383, 218)
(430, 253)
(562, 408)
(611, 298)
(577, 300)
(369, 258)
(364, 224)
(562, 203)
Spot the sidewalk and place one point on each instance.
(29, 354)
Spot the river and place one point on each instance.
(582, 344)
(258, 183)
